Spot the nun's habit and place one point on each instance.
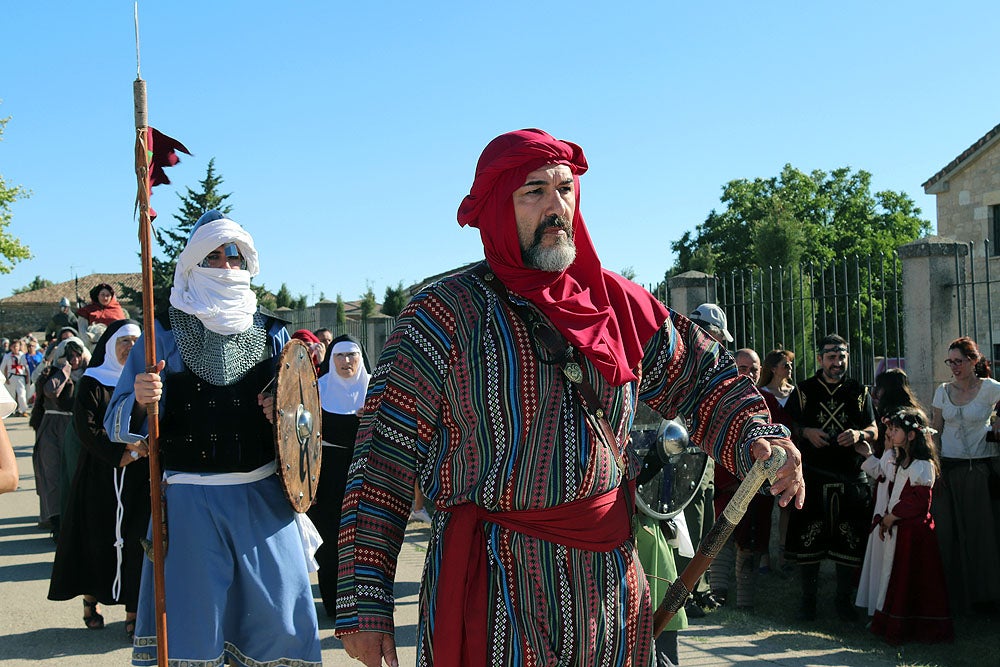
(107, 511)
(342, 399)
(55, 391)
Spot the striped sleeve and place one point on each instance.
(687, 373)
(399, 420)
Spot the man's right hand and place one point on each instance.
(371, 647)
(148, 387)
(816, 436)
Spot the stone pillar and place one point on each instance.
(690, 289)
(931, 307)
(326, 315)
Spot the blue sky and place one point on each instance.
(348, 133)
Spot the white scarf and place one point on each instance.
(220, 298)
(111, 369)
(344, 396)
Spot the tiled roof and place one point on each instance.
(82, 286)
(966, 154)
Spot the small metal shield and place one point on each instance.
(672, 488)
(298, 432)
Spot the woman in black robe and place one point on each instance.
(342, 392)
(99, 554)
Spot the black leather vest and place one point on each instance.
(205, 428)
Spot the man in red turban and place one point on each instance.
(507, 392)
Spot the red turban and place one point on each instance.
(608, 318)
(305, 336)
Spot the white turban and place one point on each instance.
(220, 298)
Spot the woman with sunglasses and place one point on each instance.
(963, 508)
(776, 374)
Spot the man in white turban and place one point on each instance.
(237, 576)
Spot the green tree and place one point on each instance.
(264, 297)
(283, 298)
(628, 273)
(341, 311)
(771, 228)
(395, 300)
(300, 303)
(368, 303)
(798, 217)
(37, 283)
(11, 249)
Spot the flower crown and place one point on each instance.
(912, 422)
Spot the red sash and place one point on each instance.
(601, 523)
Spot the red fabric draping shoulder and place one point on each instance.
(608, 318)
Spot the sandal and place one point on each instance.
(93, 620)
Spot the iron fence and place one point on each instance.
(372, 332)
(975, 297)
(793, 307)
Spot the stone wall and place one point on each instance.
(964, 214)
(963, 209)
(18, 320)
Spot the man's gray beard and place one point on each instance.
(553, 259)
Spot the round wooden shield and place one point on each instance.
(298, 432)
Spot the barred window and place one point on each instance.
(995, 228)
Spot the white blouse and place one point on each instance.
(781, 400)
(965, 426)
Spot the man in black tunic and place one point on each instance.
(832, 413)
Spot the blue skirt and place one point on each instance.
(236, 581)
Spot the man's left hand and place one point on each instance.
(789, 483)
(266, 402)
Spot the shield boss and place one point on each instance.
(674, 486)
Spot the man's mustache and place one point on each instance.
(557, 221)
(553, 221)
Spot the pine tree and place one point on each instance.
(283, 298)
(368, 303)
(341, 311)
(395, 300)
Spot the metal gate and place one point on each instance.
(976, 291)
(793, 307)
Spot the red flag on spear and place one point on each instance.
(161, 152)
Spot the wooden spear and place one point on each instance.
(149, 336)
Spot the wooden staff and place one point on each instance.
(149, 336)
(710, 546)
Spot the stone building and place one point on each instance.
(967, 193)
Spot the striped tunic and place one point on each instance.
(463, 401)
